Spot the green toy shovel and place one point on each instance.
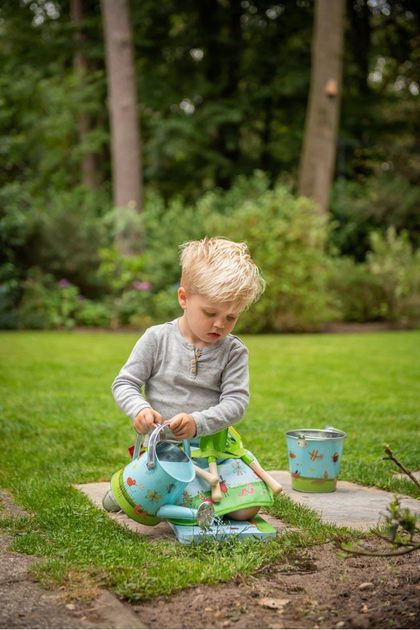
(213, 447)
(227, 443)
(235, 448)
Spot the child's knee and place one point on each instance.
(244, 514)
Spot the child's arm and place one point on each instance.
(126, 388)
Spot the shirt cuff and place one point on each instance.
(199, 422)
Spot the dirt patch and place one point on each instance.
(312, 589)
(306, 589)
(24, 604)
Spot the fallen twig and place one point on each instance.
(354, 552)
(391, 457)
(399, 519)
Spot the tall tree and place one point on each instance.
(90, 163)
(319, 147)
(123, 108)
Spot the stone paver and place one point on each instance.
(95, 492)
(351, 505)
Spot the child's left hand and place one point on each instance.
(182, 426)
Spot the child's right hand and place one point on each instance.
(146, 420)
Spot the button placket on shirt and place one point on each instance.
(193, 368)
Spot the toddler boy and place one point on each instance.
(194, 371)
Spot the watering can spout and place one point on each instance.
(204, 515)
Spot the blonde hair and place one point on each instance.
(221, 270)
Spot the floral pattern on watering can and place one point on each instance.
(148, 483)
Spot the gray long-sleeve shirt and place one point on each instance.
(211, 384)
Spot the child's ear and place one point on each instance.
(182, 297)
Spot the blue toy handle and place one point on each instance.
(154, 438)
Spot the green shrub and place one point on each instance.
(140, 308)
(90, 313)
(133, 305)
(10, 289)
(286, 237)
(396, 266)
(166, 227)
(166, 306)
(385, 287)
(68, 237)
(357, 292)
(39, 306)
(379, 202)
(117, 272)
(47, 304)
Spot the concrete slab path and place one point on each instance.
(353, 506)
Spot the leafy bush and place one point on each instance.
(356, 291)
(75, 213)
(379, 202)
(10, 290)
(118, 272)
(140, 308)
(165, 305)
(306, 284)
(286, 237)
(166, 227)
(90, 313)
(395, 264)
(385, 287)
(46, 303)
(134, 305)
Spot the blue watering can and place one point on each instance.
(147, 488)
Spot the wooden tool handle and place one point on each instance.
(211, 479)
(216, 493)
(269, 480)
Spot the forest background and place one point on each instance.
(222, 90)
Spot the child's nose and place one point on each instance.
(219, 323)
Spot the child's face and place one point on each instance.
(205, 321)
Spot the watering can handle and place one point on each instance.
(139, 443)
(154, 439)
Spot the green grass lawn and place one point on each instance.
(60, 425)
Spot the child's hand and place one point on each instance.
(182, 426)
(146, 420)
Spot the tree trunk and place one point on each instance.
(319, 148)
(89, 165)
(123, 109)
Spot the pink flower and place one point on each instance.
(141, 286)
(63, 283)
